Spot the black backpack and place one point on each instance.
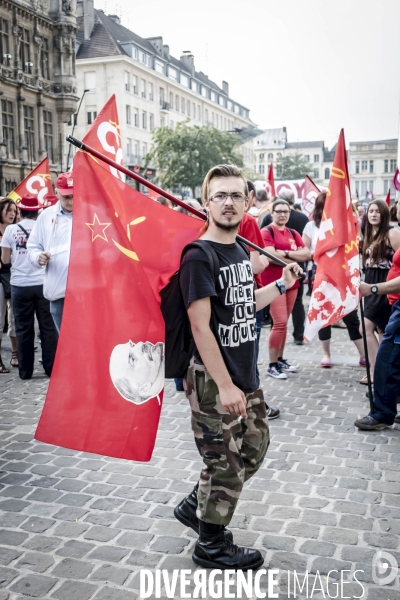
(179, 342)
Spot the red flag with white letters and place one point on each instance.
(310, 193)
(337, 280)
(38, 183)
(271, 181)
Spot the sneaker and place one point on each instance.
(298, 342)
(273, 413)
(284, 366)
(370, 424)
(276, 372)
(397, 418)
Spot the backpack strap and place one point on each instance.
(25, 231)
(210, 253)
(271, 230)
(244, 247)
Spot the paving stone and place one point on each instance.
(326, 565)
(340, 536)
(35, 561)
(381, 540)
(42, 543)
(74, 549)
(100, 534)
(109, 553)
(7, 555)
(102, 518)
(70, 513)
(302, 530)
(108, 593)
(74, 590)
(71, 530)
(13, 505)
(143, 559)
(70, 568)
(169, 544)
(275, 542)
(33, 585)
(12, 538)
(135, 539)
(111, 574)
(37, 525)
(318, 548)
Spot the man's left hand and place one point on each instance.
(290, 274)
(365, 289)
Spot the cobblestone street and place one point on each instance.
(78, 526)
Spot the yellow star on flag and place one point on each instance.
(96, 227)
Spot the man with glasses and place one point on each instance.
(229, 417)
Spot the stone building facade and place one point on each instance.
(38, 89)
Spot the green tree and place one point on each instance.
(292, 167)
(182, 156)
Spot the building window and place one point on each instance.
(177, 103)
(136, 117)
(172, 73)
(127, 85)
(261, 156)
(206, 116)
(307, 158)
(90, 116)
(193, 85)
(371, 186)
(363, 188)
(161, 96)
(4, 41)
(128, 114)
(143, 88)
(386, 185)
(357, 166)
(316, 158)
(90, 80)
(134, 52)
(134, 84)
(45, 66)
(392, 165)
(386, 166)
(25, 51)
(162, 122)
(29, 132)
(221, 101)
(144, 149)
(7, 111)
(316, 173)
(136, 149)
(198, 112)
(148, 60)
(72, 120)
(128, 148)
(159, 67)
(48, 133)
(327, 173)
(143, 57)
(204, 91)
(364, 165)
(188, 108)
(371, 166)
(357, 188)
(151, 122)
(279, 155)
(261, 169)
(151, 92)
(183, 105)
(144, 120)
(184, 80)
(270, 156)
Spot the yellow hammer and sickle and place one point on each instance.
(336, 172)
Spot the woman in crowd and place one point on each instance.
(351, 321)
(380, 243)
(8, 216)
(287, 245)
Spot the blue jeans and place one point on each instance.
(387, 371)
(56, 309)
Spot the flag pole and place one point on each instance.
(367, 365)
(85, 148)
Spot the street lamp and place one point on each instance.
(8, 57)
(74, 123)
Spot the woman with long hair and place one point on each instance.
(287, 245)
(8, 216)
(351, 321)
(380, 243)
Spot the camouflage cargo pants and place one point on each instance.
(232, 450)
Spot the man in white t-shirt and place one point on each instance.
(27, 292)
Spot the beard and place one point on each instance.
(226, 226)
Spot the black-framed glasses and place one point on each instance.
(221, 197)
(282, 212)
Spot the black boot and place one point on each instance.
(214, 551)
(185, 512)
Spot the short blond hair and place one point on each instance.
(221, 171)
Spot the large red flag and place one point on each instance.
(106, 387)
(38, 183)
(310, 193)
(271, 180)
(337, 281)
(396, 180)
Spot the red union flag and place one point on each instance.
(105, 135)
(38, 183)
(107, 383)
(271, 181)
(310, 193)
(337, 281)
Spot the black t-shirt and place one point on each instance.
(233, 307)
(297, 221)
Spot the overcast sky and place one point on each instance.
(313, 66)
